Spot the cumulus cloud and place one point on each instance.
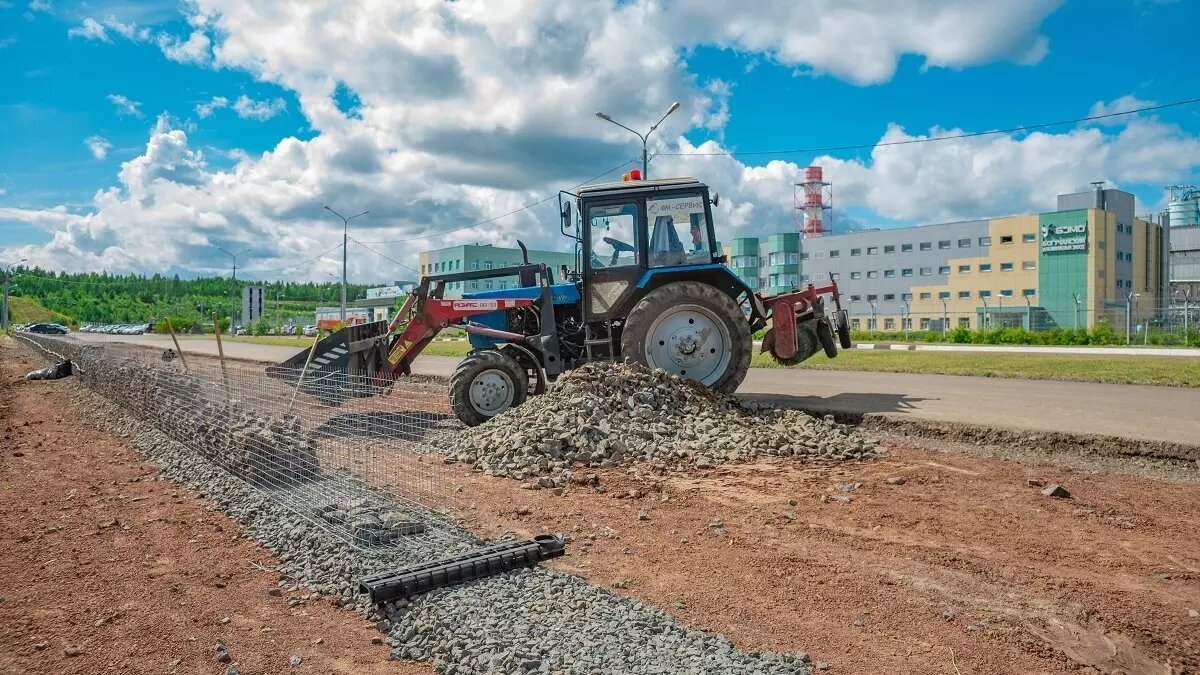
(206, 108)
(98, 145)
(130, 31)
(1124, 104)
(248, 108)
(471, 109)
(8, 41)
(196, 49)
(125, 106)
(89, 29)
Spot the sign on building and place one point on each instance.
(1064, 238)
(329, 317)
(252, 304)
(384, 292)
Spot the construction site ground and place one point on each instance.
(935, 559)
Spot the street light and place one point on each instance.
(7, 277)
(345, 240)
(1128, 315)
(1076, 296)
(236, 299)
(907, 317)
(643, 137)
(945, 317)
(986, 313)
(873, 326)
(1187, 297)
(1028, 314)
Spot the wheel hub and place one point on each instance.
(690, 341)
(491, 392)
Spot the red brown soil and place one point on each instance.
(963, 568)
(134, 572)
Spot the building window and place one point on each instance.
(964, 295)
(474, 284)
(474, 265)
(927, 296)
(925, 323)
(1028, 238)
(1006, 239)
(985, 267)
(834, 276)
(1006, 292)
(926, 271)
(872, 274)
(944, 244)
(856, 298)
(1029, 292)
(906, 273)
(906, 248)
(926, 246)
(791, 258)
(889, 274)
(943, 295)
(906, 296)
(502, 285)
(985, 241)
(872, 250)
(855, 324)
(834, 253)
(889, 297)
(985, 294)
(964, 322)
(818, 254)
(804, 278)
(855, 252)
(487, 264)
(944, 269)
(964, 269)
(856, 275)
(872, 298)
(1006, 267)
(964, 243)
(889, 324)
(889, 249)
(1029, 265)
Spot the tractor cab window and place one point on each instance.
(613, 235)
(678, 231)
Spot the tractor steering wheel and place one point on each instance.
(618, 247)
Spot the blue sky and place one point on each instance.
(433, 150)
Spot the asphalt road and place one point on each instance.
(1133, 411)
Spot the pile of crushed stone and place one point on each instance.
(603, 414)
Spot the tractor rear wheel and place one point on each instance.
(485, 384)
(690, 329)
(806, 344)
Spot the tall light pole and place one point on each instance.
(986, 314)
(945, 316)
(1128, 315)
(1187, 298)
(345, 241)
(1028, 314)
(907, 318)
(1076, 296)
(643, 137)
(873, 326)
(237, 296)
(7, 277)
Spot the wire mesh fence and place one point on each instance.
(370, 471)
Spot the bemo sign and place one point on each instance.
(1064, 238)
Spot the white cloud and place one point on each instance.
(125, 106)
(473, 108)
(130, 31)
(1124, 104)
(39, 6)
(248, 108)
(90, 29)
(196, 49)
(206, 108)
(8, 41)
(98, 145)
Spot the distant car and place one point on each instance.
(48, 329)
(310, 331)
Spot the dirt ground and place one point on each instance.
(961, 567)
(137, 574)
(964, 567)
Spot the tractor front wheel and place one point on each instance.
(485, 384)
(692, 330)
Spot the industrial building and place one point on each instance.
(1183, 210)
(474, 257)
(1087, 262)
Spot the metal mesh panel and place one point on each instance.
(368, 470)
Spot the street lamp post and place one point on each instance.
(1187, 297)
(1076, 297)
(1028, 314)
(873, 326)
(906, 318)
(1129, 315)
(236, 298)
(345, 241)
(7, 278)
(945, 317)
(986, 313)
(643, 137)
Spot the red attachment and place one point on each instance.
(785, 331)
(791, 305)
(427, 316)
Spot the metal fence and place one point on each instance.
(370, 471)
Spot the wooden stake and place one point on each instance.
(311, 350)
(176, 341)
(221, 353)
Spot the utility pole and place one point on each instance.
(906, 318)
(1076, 296)
(7, 278)
(237, 297)
(345, 241)
(1128, 316)
(986, 314)
(873, 326)
(945, 317)
(1028, 314)
(644, 138)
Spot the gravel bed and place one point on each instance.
(603, 414)
(529, 621)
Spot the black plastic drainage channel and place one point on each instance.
(483, 562)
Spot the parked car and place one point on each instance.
(48, 329)
(310, 331)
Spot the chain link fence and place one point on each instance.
(369, 471)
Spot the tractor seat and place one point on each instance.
(665, 247)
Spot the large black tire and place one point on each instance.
(499, 383)
(806, 345)
(825, 337)
(676, 302)
(843, 329)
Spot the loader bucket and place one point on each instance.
(351, 363)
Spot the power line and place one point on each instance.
(302, 262)
(974, 134)
(503, 215)
(383, 256)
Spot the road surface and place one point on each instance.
(1170, 414)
